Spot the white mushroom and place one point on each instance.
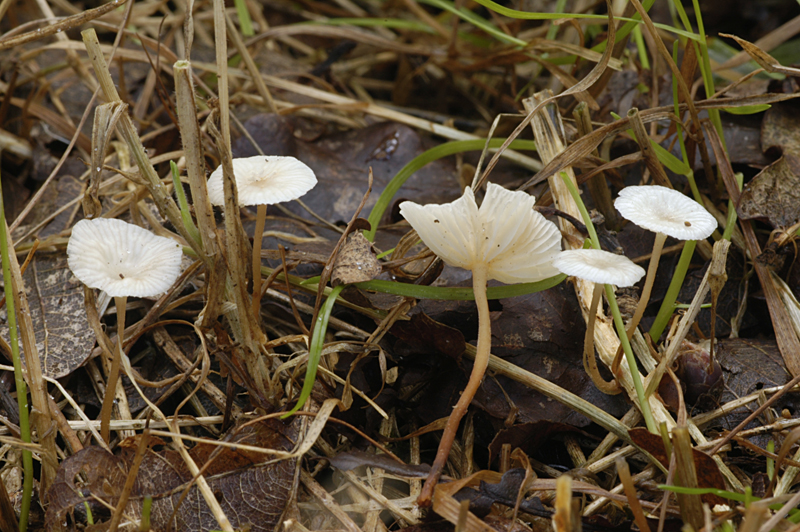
(601, 268)
(123, 260)
(504, 239)
(666, 212)
(263, 180)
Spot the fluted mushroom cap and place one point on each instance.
(663, 210)
(264, 180)
(122, 259)
(598, 266)
(516, 243)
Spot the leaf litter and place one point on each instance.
(375, 87)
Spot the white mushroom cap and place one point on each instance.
(122, 259)
(264, 180)
(598, 266)
(663, 210)
(516, 243)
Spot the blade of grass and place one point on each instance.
(458, 294)
(22, 389)
(315, 349)
(443, 150)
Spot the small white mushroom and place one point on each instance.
(504, 239)
(263, 180)
(124, 261)
(601, 268)
(666, 212)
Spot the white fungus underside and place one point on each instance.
(663, 210)
(264, 180)
(598, 266)
(517, 243)
(122, 259)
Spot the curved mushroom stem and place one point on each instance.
(589, 360)
(261, 217)
(113, 374)
(658, 245)
(483, 350)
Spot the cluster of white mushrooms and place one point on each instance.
(125, 260)
(506, 240)
(503, 239)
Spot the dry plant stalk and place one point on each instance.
(563, 518)
(624, 473)
(40, 406)
(691, 505)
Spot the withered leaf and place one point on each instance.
(774, 194)
(251, 490)
(781, 128)
(63, 336)
(355, 262)
(708, 475)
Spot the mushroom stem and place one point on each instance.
(483, 350)
(589, 360)
(113, 374)
(655, 256)
(261, 217)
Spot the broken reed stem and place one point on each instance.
(691, 505)
(563, 517)
(482, 354)
(624, 473)
(193, 152)
(195, 173)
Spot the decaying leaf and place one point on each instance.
(774, 194)
(708, 475)
(355, 262)
(781, 128)
(252, 491)
(63, 337)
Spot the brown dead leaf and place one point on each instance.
(355, 262)
(708, 475)
(766, 61)
(63, 337)
(252, 491)
(774, 194)
(781, 128)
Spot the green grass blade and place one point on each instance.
(315, 349)
(186, 214)
(22, 388)
(443, 150)
(458, 294)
